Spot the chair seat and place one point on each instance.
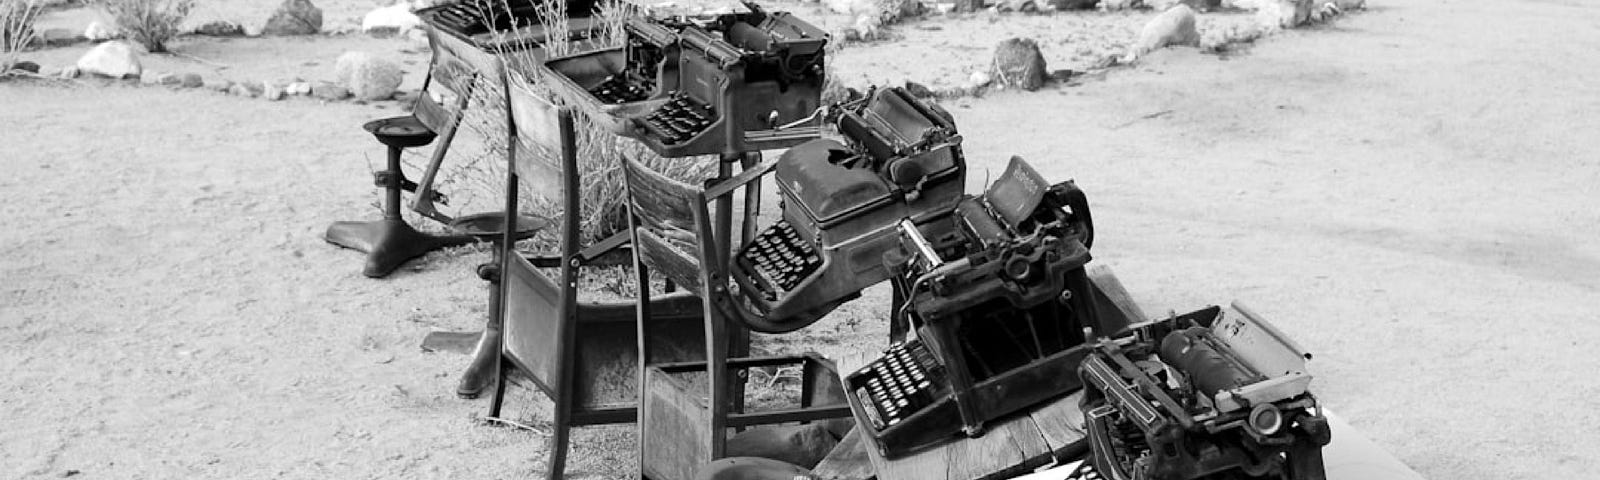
(400, 132)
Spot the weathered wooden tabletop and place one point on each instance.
(1015, 445)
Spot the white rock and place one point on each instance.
(70, 71)
(1172, 27)
(979, 78)
(397, 17)
(97, 31)
(368, 77)
(113, 59)
(272, 91)
(298, 88)
(1114, 5)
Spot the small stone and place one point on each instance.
(221, 28)
(298, 88)
(1018, 63)
(239, 90)
(169, 79)
(115, 59)
(26, 66)
(979, 78)
(272, 92)
(294, 17)
(329, 91)
(192, 80)
(149, 77)
(1073, 4)
(58, 37)
(1172, 27)
(368, 77)
(97, 31)
(70, 71)
(393, 19)
(219, 85)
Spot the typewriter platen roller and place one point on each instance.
(841, 205)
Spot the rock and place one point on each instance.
(115, 59)
(1114, 5)
(1172, 27)
(802, 445)
(70, 71)
(219, 86)
(1073, 4)
(395, 18)
(297, 88)
(240, 90)
(979, 78)
(221, 28)
(252, 30)
(169, 79)
(272, 91)
(329, 91)
(867, 27)
(851, 6)
(1025, 6)
(26, 66)
(56, 37)
(1284, 13)
(97, 31)
(1018, 63)
(294, 17)
(918, 90)
(368, 77)
(192, 80)
(1198, 5)
(149, 77)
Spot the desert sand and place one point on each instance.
(1409, 192)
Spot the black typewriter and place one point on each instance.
(1203, 395)
(907, 379)
(1002, 306)
(740, 77)
(841, 203)
(498, 25)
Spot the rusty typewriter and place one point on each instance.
(1000, 314)
(722, 84)
(1203, 396)
(501, 25)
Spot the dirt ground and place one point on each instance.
(1408, 192)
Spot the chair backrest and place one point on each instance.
(452, 80)
(672, 226)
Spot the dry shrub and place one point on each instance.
(602, 194)
(150, 22)
(16, 29)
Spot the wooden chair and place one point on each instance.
(551, 338)
(673, 234)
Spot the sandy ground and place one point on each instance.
(1408, 192)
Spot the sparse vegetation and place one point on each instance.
(152, 23)
(16, 29)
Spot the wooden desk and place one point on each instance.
(1014, 446)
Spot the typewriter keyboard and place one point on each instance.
(898, 384)
(680, 119)
(780, 257)
(617, 90)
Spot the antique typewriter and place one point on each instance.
(1001, 313)
(500, 25)
(841, 205)
(650, 64)
(740, 77)
(1202, 396)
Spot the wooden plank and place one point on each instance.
(847, 461)
(1111, 288)
(984, 457)
(1024, 432)
(930, 464)
(1061, 424)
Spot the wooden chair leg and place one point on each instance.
(642, 346)
(560, 430)
(717, 378)
(499, 397)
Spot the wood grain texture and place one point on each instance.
(847, 461)
(1061, 424)
(1111, 288)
